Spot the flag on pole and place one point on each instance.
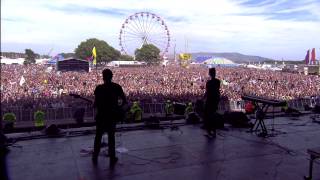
(94, 55)
(224, 82)
(307, 57)
(22, 81)
(313, 56)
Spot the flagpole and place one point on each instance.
(97, 71)
(94, 62)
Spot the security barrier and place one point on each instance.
(61, 114)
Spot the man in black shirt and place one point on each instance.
(106, 101)
(212, 97)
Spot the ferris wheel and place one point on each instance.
(144, 28)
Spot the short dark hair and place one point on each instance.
(212, 72)
(107, 75)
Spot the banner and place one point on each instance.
(313, 56)
(307, 57)
(22, 81)
(94, 55)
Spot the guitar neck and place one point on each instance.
(86, 99)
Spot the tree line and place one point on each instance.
(148, 53)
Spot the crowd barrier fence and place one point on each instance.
(61, 114)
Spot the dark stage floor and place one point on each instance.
(165, 154)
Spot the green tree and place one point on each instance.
(67, 55)
(105, 52)
(30, 57)
(124, 57)
(148, 53)
(45, 56)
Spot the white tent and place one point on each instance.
(220, 61)
(6, 60)
(125, 63)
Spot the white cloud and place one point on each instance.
(219, 25)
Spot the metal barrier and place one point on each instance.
(60, 114)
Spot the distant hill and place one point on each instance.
(235, 57)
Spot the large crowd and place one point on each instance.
(39, 86)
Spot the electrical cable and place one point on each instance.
(159, 160)
(287, 150)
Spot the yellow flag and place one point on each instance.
(94, 54)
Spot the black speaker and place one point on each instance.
(307, 107)
(215, 120)
(52, 130)
(79, 115)
(316, 109)
(293, 112)
(193, 118)
(179, 108)
(236, 119)
(199, 107)
(152, 122)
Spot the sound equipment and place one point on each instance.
(3, 142)
(237, 119)
(79, 115)
(293, 112)
(215, 120)
(316, 108)
(52, 130)
(307, 107)
(192, 118)
(152, 122)
(199, 107)
(179, 108)
(8, 127)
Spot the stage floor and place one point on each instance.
(184, 154)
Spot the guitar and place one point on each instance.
(122, 110)
(83, 98)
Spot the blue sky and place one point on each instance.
(270, 28)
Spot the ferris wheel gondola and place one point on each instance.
(144, 28)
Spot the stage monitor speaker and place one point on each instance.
(79, 115)
(237, 119)
(293, 112)
(316, 109)
(52, 130)
(152, 122)
(179, 108)
(307, 107)
(193, 118)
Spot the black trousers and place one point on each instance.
(111, 142)
(210, 118)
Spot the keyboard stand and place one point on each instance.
(314, 154)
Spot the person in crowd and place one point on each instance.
(48, 89)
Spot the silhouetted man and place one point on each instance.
(212, 97)
(108, 113)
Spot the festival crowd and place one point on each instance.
(39, 86)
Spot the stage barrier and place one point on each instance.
(61, 114)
